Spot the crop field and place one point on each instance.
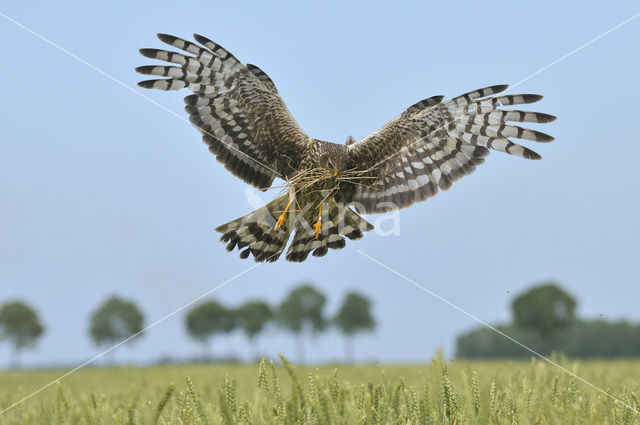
(500, 392)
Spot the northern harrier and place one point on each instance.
(248, 127)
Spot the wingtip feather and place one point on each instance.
(166, 38)
(529, 154)
(201, 38)
(544, 137)
(146, 84)
(546, 118)
(498, 88)
(149, 53)
(146, 70)
(531, 98)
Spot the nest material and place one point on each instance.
(310, 177)
(310, 180)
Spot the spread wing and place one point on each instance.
(434, 143)
(237, 109)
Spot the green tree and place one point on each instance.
(545, 322)
(483, 342)
(252, 317)
(302, 312)
(114, 321)
(545, 308)
(353, 316)
(20, 325)
(208, 319)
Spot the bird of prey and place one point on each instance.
(249, 129)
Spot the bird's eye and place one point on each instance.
(330, 162)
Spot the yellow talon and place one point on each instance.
(280, 222)
(317, 226)
(282, 217)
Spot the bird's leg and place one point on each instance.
(283, 216)
(317, 227)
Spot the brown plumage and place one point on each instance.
(248, 127)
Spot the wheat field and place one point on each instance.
(459, 392)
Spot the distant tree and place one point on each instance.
(545, 322)
(545, 308)
(353, 316)
(114, 321)
(302, 312)
(20, 325)
(583, 339)
(483, 342)
(208, 319)
(252, 317)
(599, 338)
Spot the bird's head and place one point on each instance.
(334, 158)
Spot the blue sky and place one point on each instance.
(103, 192)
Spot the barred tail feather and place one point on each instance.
(254, 234)
(338, 221)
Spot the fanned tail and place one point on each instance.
(254, 232)
(337, 221)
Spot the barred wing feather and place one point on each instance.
(433, 143)
(237, 109)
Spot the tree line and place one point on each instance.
(302, 313)
(544, 320)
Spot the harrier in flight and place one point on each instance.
(249, 129)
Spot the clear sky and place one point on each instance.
(102, 192)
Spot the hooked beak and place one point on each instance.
(335, 174)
